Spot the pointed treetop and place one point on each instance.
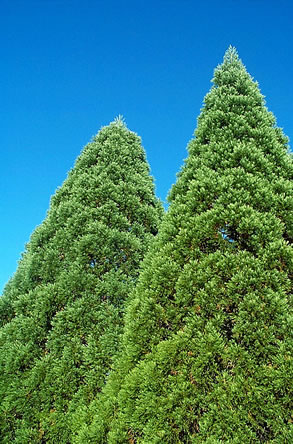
(119, 121)
(233, 65)
(231, 55)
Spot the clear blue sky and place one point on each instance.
(69, 67)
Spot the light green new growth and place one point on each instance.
(231, 56)
(119, 120)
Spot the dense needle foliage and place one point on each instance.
(62, 312)
(207, 345)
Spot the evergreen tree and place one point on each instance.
(62, 311)
(208, 334)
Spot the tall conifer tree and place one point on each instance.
(62, 311)
(208, 336)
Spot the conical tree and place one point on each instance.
(63, 309)
(208, 336)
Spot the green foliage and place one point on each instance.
(62, 312)
(207, 345)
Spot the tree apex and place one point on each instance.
(119, 121)
(231, 55)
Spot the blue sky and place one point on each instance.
(69, 67)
